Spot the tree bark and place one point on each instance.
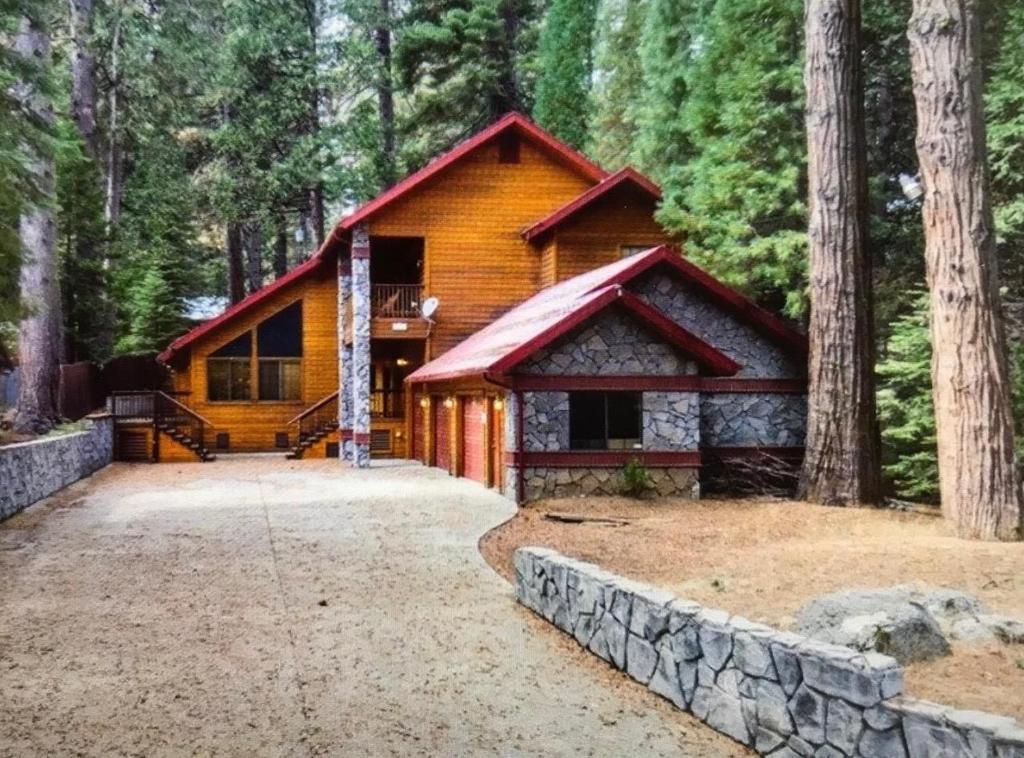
(841, 464)
(316, 214)
(386, 96)
(280, 247)
(83, 76)
(115, 154)
(252, 245)
(978, 483)
(236, 271)
(39, 333)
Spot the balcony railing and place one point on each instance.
(396, 300)
(387, 403)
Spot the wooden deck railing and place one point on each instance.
(396, 300)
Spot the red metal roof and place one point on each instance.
(622, 176)
(544, 141)
(555, 311)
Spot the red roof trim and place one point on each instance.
(623, 176)
(238, 308)
(554, 147)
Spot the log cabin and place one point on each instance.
(511, 313)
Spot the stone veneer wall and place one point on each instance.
(30, 471)
(741, 419)
(758, 356)
(780, 693)
(611, 344)
(584, 481)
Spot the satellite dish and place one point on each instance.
(429, 307)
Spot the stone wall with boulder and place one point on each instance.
(782, 694)
(30, 471)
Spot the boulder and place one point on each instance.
(890, 621)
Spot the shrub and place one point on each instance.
(636, 479)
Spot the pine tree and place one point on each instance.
(619, 86)
(565, 62)
(905, 409)
(463, 64)
(741, 199)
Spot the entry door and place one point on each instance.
(474, 439)
(441, 434)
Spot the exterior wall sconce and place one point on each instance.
(449, 402)
(402, 362)
(499, 404)
(424, 402)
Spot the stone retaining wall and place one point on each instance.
(30, 471)
(782, 694)
(582, 481)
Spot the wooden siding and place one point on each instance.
(253, 424)
(549, 263)
(471, 216)
(596, 235)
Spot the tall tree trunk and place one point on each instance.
(841, 464)
(386, 96)
(236, 269)
(507, 97)
(316, 214)
(39, 334)
(83, 76)
(979, 486)
(252, 244)
(115, 154)
(280, 247)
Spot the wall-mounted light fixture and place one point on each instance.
(499, 404)
(424, 402)
(449, 402)
(402, 362)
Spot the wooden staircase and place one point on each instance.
(166, 417)
(314, 424)
(185, 440)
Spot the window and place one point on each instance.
(228, 370)
(628, 250)
(279, 379)
(277, 372)
(605, 420)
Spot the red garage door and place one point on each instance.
(418, 424)
(474, 439)
(441, 433)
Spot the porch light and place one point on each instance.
(449, 402)
(423, 402)
(402, 361)
(499, 404)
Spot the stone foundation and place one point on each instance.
(782, 694)
(584, 481)
(30, 471)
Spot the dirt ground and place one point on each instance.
(261, 607)
(764, 559)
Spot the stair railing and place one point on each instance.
(317, 417)
(177, 416)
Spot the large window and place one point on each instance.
(279, 347)
(605, 420)
(269, 356)
(229, 370)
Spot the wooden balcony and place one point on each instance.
(396, 300)
(387, 404)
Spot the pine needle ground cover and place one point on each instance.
(763, 559)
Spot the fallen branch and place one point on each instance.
(573, 518)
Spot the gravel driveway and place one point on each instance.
(257, 606)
